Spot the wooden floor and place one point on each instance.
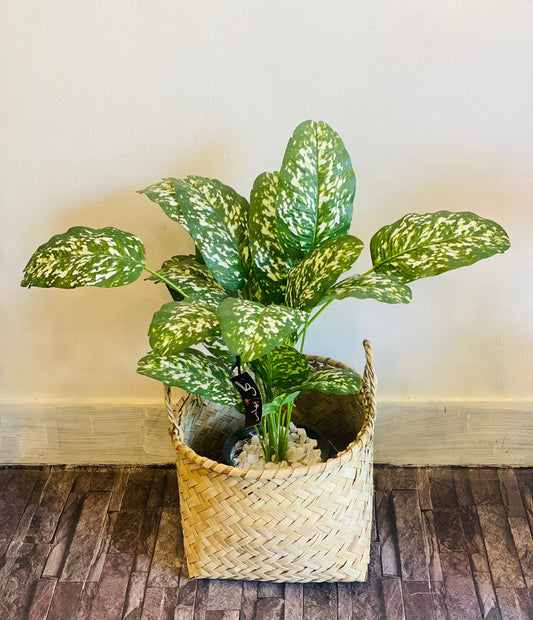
(99, 544)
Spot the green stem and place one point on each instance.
(311, 320)
(163, 279)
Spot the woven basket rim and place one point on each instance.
(362, 439)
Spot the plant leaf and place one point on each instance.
(287, 366)
(420, 246)
(164, 195)
(217, 347)
(270, 262)
(180, 324)
(331, 381)
(309, 280)
(278, 402)
(375, 285)
(83, 256)
(193, 371)
(193, 279)
(216, 217)
(251, 330)
(316, 189)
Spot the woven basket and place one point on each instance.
(286, 525)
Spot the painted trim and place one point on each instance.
(452, 432)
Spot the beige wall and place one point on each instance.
(432, 99)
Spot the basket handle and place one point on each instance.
(370, 381)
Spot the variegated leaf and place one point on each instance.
(283, 367)
(193, 279)
(164, 195)
(331, 381)
(419, 246)
(275, 405)
(378, 286)
(270, 262)
(316, 189)
(216, 217)
(83, 256)
(180, 324)
(311, 278)
(193, 371)
(217, 347)
(251, 330)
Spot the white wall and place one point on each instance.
(432, 99)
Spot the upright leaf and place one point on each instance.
(164, 195)
(310, 279)
(275, 405)
(420, 246)
(283, 367)
(251, 330)
(179, 324)
(378, 286)
(316, 189)
(331, 381)
(193, 371)
(193, 279)
(270, 262)
(82, 256)
(216, 217)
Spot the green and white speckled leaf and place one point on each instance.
(83, 256)
(193, 279)
(251, 330)
(378, 286)
(270, 262)
(420, 246)
(217, 347)
(284, 365)
(193, 371)
(164, 195)
(274, 406)
(216, 217)
(316, 189)
(309, 280)
(180, 324)
(331, 381)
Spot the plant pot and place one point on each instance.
(305, 524)
(231, 449)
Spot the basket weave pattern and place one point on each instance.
(286, 525)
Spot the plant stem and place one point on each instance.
(310, 321)
(163, 279)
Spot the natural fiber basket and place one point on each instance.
(287, 525)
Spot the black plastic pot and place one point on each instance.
(231, 447)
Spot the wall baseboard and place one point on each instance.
(489, 433)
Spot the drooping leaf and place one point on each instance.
(105, 257)
(179, 324)
(270, 262)
(331, 381)
(311, 278)
(251, 330)
(193, 371)
(193, 279)
(420, 246)
(316, 189)
(275, 405)
(217, 347)
(284, 366)
(164, 195)
(216, 217)
(378, 286)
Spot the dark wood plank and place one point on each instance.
(154, 599)
(66, 600)
(147, 538)
(269, 608)
(88, 594)
(134, 596)
(344, 602)
(485, 486)
(119, 488)
(294, 601)
(393, 599)
(85, 541)
(42, 598)
(438, 594)
(452, 544)
(15, 496)
(461, 598)
(171, 490)
(501, 550)
(424, 490)
(463, 490)
(200, 602)
(390, 566)
(367, 600)
(524, 546)
(137, 490)
(249, 600)
(187, 591)
(157, 490)
(431, 547)
(475, 545)
(224, 594)
(168, 554)
(125, 533)
(408, 518)
(486, 595)
(99, 557)
(111, 595)
(404, 478)
(512, 499)
(514, 604)
(320, 600)
(442, 484)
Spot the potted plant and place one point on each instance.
(263, 271)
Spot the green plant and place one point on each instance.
(263, 271)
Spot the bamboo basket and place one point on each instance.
(308, 524)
